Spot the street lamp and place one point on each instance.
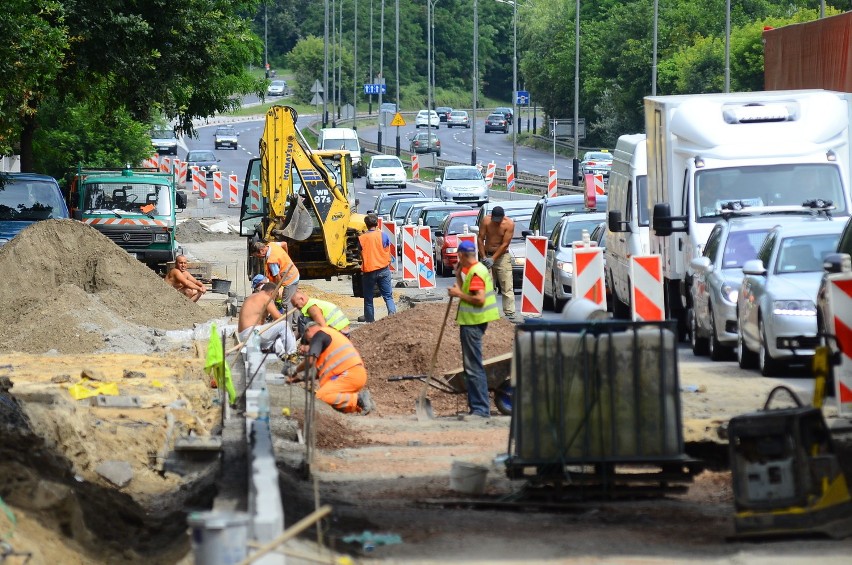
(576, 163)
(397, 75)
(325, 70)
(727, 46)
(430, 14)
(475, 78)
(654, 61)
(381, 77)
(516, 124)
(355, 72)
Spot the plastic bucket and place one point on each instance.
(468, 478)
(219, 538)
(221, 286)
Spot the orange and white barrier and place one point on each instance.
(389, 229)
(165, 165)
(471, 237)
(415, 168)
(197, 177)
(425, 262)
(217, 186)
(599, 185)
(254, 195)
(589, 274)
(489, 174)
(647, 302)
(409, 256)
(180, 170)
(532, 289)
(840, 305)
(551, 183)
(151, 162)
(590, 195)
(510, 178)
(233, 192)
(125, 222)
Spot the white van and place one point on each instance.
(343, 138)
(628, 219)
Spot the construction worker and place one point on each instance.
(375, 265)
(322, 312)
(257, 309)
(258, 281)
(478, 306)
(339, 369)
(279, 267)
(495, 236)
(180, 278)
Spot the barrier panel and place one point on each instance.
(233, 192)
(409, 257)
(165, 165)
(389, 228)
(532, 289)
(254, 195)
(217, 186)
(415, 168)
(551, 183)
(489, 174)
(425, 263)
(589, 274)
(196, 179)
(599, 185)
(510, 178)
(647, 302)
(840, 306)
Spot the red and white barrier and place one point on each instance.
(409, 256)
(217, 186)
(180, 170)
(471, 237)
(197, 177)
(532, 289)
(425, 262)
(151, 162)
(510, 178)
(551, 183)
(389, 228)
(489, 174)
(589, 194)
(647, 302)
(254, 195)
(415, 168)
(840, 306)
(233, 192)
(589, 274)
(165, 165)
(600, 190)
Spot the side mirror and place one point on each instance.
(473, 229)
(527, 233)
(180, 199)
(701, 264)
(754, 267)
(614, 223)
(837, 263)
(438, 180)
(550, 244)
(371, 211)
(662, 219)
(439, 233)
(78, 214)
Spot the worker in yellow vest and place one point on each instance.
(322, 312)
(477, 306)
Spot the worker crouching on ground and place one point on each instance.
(275, 336)
(477, 306)
(180, 278)
(375, 264)
(321, 312)
(339, 369)
(279, 266)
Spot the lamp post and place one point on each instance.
(430, 9)
(516, 124)
(475, 78)
(727, 45)
(325, 70)
(355, 72)
(396, 39)
(265, 39)
(340, 61)
(576, 163)
(333, 15)
(381, 74)
(370, 97)
(654, 60)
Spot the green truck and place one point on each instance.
(134, 207)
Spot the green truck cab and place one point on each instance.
(134, 207)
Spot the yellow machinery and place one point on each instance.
(304, 198)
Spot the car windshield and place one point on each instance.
(495, 116)
(386, 204)
(278, 83)
(553, 213)
(573, 231)
(414, 211)
(385, 163)
(457, 223)
(163, 134)
(426, 136)
(200, 156)
(805, 254)
(226, 131)
(29, 200)
(144, 198)
(471, 173)
(598, 156)
(433, 218)
(742, 246)
(522, 222)
(402, 209)
(458, 114)
(347, 144)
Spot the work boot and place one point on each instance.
(365, 402)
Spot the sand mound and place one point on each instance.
(65, 286)
(193, 231)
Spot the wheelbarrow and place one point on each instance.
(498, 371)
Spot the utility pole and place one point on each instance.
(370, 97)
(398, 150)
(475, 78)
(355, 73)
(576, 163)
(381, 74)
(517, 124)
(325, 71)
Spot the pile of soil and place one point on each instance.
(403, 344)
(193, 231)
(69, 288)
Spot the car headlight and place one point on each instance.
(794, 308)
(161, 238)
(565, 267)
(452, 249)
(213, 168)
(730, 293)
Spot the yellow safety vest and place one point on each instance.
(470, 315)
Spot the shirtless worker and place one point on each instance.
(494, 238)
(256, 310)
(180, 278)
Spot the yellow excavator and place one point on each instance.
(304, 198)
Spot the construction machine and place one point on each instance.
(304, 198)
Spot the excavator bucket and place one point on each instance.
(298, 223)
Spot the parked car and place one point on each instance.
(462, 183)
(204, 159)
(277, 88)
(427, 118)
(559, 261)
(386, 171)
(718, 275)
(387, 107)
(413, 213)
(506, 113)
(26, 198)
(433, 213)
(598, 235)
(776, 306)
(164, 141)
(446, 239)
(226, 136)
(548, 211)
(458, 118)
(399, 209)
(425, 142)
(596, 163)
(496, 122)
(444, 113)
(837, 262)
(385, 200)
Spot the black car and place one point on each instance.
(443, 112)
(507, 113)
(204, 159)
(496, 122)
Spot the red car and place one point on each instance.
(447, 241)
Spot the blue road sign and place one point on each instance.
(523, 98)
(375, 89)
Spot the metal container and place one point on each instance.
(219, 538)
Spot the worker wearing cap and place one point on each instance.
(279, 267)
(477, 306)
(339, 369)
(495, 236)
(322, 312)
(258, 281)
(375, 266)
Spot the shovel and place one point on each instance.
(423, 406)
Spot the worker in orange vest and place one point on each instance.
(339, 369)
(375, 266)
(279, 267)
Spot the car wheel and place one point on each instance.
(558, 303)
(768, 365)
(503, 398)
(369, 186)
(718, 352)
(745, 359)
(699, 344)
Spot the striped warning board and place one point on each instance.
(415, 168)
(425, 262)
(471, 237)
(254, 196)
(840, 307)
(389, 229)
(194, 172)
(233, 192)
(217, 186)
(589, 274)
(600, 190)
(112, 221)
(489, 174)
(409, 257)
(551, 183)
(510, 178)
(153, 161)
(165, 165)
(180, 170)
(646, 291)
(532, 289)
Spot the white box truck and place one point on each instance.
(628, 217)
(343, 138)
(712, 152)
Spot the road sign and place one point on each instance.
(317, 99)
(347, 112)
(523, 98)
(564, 128)
(375, 89)
(397, 120)
(317, 88)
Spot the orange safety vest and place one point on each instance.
(374, 255)
(338, 357)
(277, 255)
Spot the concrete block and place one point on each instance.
(102, 401)
(118, 473)
(198, 443)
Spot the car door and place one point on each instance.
(701, 279)
(752, 289)
(550, 257)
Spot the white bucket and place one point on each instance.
(468, 478)
(219, 538)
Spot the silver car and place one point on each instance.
(559, 262)
(462, 183)
(458, 118)
(776, 310)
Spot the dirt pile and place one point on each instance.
(68, 287)
(403, 345)
(193, 231)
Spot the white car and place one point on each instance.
(385, 171)
(462, 183)
(427, 118)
